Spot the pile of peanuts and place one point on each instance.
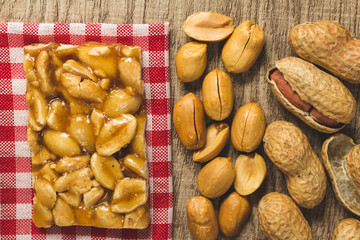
(313, 95)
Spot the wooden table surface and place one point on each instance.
(276, 17)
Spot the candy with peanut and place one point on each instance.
(316, 97)
(289, 149)
(243, 47)
(208, 26)
(234, 210)
(201, 218)
(217, 94)
(281, 219)
(248, 127)
(189, 121)
(347, 229)
(190, 61)
(329, 45)
(85, 104)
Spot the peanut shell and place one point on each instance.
(289, 149)
(347, 229)
(334, 153)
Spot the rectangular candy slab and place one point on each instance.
(87, 135)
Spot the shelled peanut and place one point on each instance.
(216, 177)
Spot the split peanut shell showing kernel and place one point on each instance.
(201, 218)
(289, 149)
(216, 177)
(208, 26)
(217, 135)
(281, 219)
(86, 109)
(312, 95)
(234, 210)
(250, 173)
(335, 152)
(190, 61)
(243, 47)
(329, 45)
(218, 95)
(347, 229)
(248, 127)
(189, 121)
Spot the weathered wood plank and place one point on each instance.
(276, 17)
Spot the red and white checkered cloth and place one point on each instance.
(15, 163)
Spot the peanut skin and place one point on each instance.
(329, 45)
(289, 149)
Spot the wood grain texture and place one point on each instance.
(276, 17)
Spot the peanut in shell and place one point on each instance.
(329, 45)
(323, 91)
(281, 219)
(347, 229)
(289, 149)
(189, 121)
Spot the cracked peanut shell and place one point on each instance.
(323, 91)
(335, 151)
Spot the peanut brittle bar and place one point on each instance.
(87, 135)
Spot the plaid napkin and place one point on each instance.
(15, 163)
